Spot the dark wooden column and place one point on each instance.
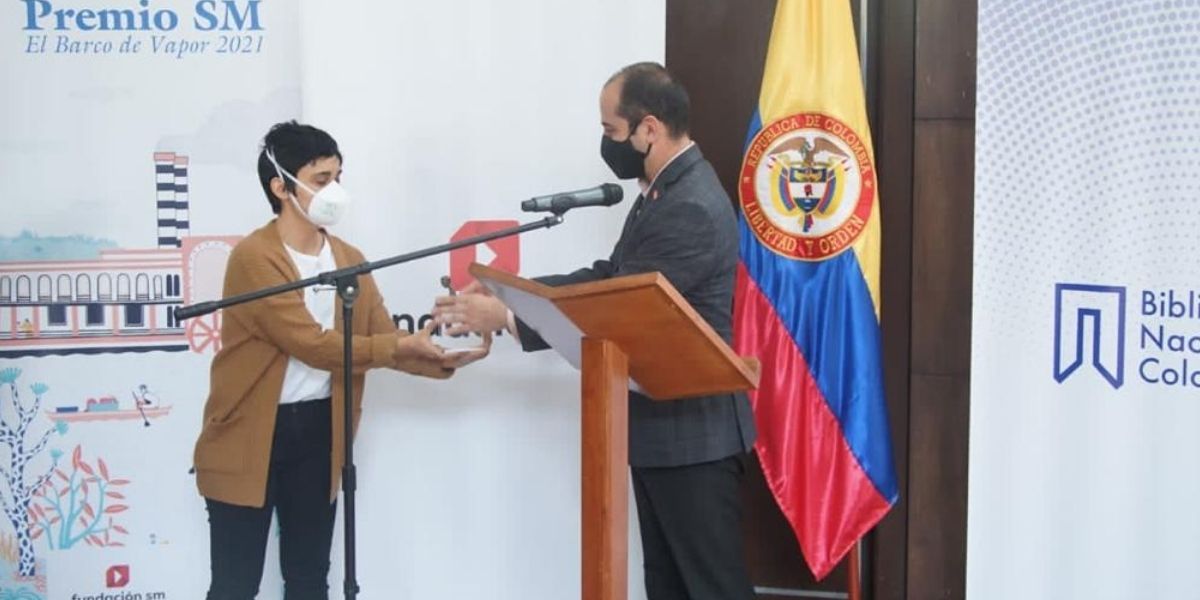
(943, 217)
(892, 41)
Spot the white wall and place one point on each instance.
(449, 112)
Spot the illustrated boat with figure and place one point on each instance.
(107, 408)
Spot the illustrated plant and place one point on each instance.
(16, 502)
(79, 507)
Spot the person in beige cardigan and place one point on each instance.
(271, 440)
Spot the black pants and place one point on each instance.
(298, 491)
(691, 522)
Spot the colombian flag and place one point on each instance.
(807, 300)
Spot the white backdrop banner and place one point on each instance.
(129, 137)
(1085, 394)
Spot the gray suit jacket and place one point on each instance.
(684, 227)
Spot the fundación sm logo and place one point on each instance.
(1089, 326)
(117, 576)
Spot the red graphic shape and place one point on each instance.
(505, 252)
(117, 576)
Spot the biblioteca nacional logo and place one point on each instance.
(807, 186)
(1090, 331)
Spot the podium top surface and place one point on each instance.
(673, 353)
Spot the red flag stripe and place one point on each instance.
(832, 502)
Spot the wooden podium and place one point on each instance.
(635, 331)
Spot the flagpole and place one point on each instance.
(854, 572)
(854, 575)
(863, 46)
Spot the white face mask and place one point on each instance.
(328, 205)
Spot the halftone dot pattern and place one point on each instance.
(1087, 170)
(1087, 153)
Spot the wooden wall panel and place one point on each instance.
(937, 499)
(942, 241)
(945, 66)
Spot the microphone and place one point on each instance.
(607, 194)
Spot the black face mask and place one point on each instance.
(624, 160)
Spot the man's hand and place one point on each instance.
(472, 310)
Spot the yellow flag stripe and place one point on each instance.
(812, 66)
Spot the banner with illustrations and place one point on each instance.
(128, 138)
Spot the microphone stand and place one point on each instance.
(346, 281)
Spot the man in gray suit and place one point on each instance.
(686, 456)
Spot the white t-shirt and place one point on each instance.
(302, 382)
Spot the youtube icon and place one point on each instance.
(117, 576)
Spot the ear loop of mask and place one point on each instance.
(283, 173)
(632, 131)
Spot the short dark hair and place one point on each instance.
(647, 88)
(294, 145)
